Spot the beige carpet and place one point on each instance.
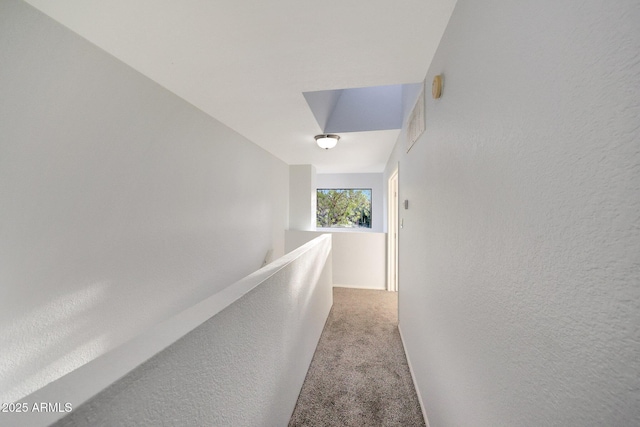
(359, 374)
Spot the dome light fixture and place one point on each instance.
(327, 141)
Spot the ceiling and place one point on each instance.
(248, 63)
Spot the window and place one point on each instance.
(344, 208)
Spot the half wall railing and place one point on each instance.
(237, 358)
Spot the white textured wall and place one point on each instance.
(358, 180)
(359, 259)
(520, 252)
(302, 198)
(119, 202)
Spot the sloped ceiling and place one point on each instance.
(248, 64)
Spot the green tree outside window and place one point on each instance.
(344, 208)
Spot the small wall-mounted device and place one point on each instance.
(406, 204)
(436, 87)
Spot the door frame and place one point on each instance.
(392, 232)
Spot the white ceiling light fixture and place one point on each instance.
(327, 141)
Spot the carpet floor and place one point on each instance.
(359, 374)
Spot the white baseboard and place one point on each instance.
(413, 378)
(335, 285)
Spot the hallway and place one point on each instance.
(359, 374)
(155, 155)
